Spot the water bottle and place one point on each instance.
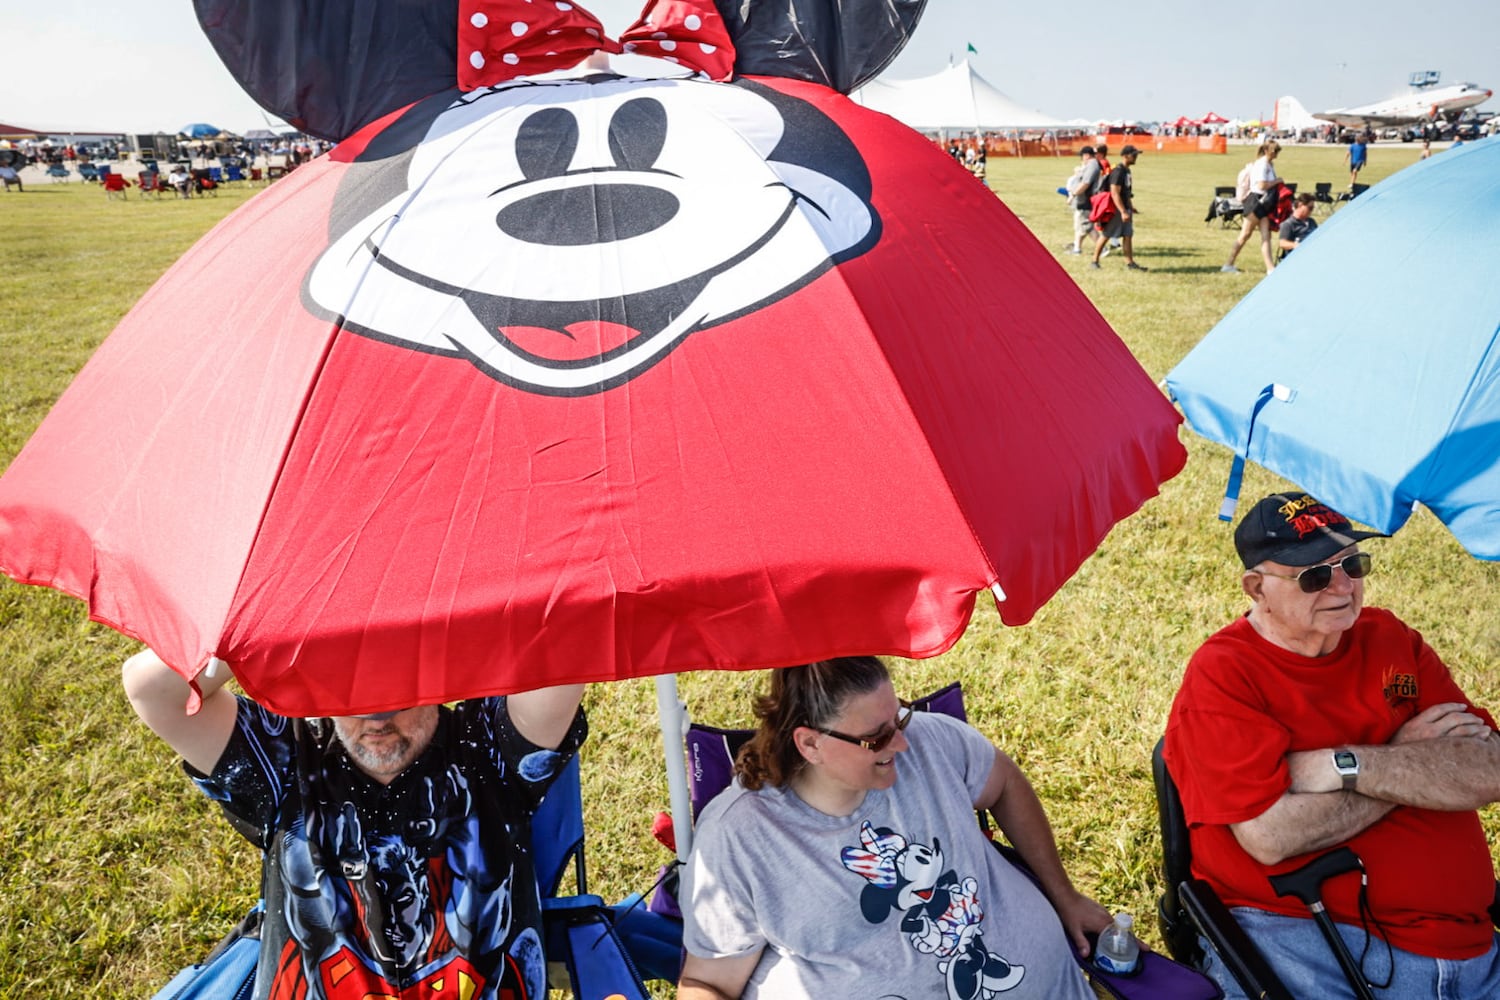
(1117, 951)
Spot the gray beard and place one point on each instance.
(376, 761)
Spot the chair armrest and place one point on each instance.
(1235, 949)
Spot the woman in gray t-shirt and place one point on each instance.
(818, 874)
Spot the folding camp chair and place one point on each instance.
(58, 171)
(711, 753)
(598, 951)
(1355, 190)
(88, 172)
(1323, 196)
(1189, 907)
(1225, 207)
(228, 973)
(150, 183)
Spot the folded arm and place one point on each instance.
(1300, 822)
(1443, 758)
(1452, 773)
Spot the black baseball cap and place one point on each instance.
(1130, 151)
(1086, 151)
(1295, 530)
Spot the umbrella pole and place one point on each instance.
(672, 714)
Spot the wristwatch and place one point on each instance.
(1347, 765)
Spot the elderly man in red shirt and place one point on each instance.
(1315, 722)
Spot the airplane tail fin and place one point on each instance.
(1290, 114)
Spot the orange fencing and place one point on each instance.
(1052, 144)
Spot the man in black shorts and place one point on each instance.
(1121, 225)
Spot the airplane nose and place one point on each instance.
(591, 213)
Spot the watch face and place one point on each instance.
(1344, 760)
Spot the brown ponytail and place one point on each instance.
(810, 695)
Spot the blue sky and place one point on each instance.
(84, 65)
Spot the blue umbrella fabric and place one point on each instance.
(1365, 368)
(199, 130)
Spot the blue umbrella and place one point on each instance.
(1366, 368)
(199, 130)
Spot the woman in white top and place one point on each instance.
(1259, 204)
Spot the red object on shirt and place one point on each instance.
(1245, 703)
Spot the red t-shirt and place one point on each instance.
(1245, 703)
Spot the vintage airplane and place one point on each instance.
(1426, 101)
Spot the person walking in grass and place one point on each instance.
(1080, 187)
(1120, 225)
(1356, 156)
(1259, 202)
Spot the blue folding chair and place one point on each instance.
(228, 973)
(605, 950)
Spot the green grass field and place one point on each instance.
(115, 872)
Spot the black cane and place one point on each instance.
(1306, 883)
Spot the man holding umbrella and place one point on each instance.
(395, 843)
(1314, 722)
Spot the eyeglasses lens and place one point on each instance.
(1316, 578)
(882, 739)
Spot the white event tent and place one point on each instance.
(956, 98)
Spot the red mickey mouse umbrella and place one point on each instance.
(609, 369)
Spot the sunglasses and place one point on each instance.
(882, 737)
(1316, 578)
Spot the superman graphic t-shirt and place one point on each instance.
(421, 889)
